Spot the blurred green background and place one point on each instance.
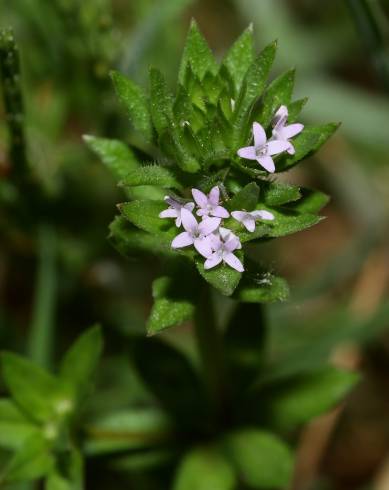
(59, 274)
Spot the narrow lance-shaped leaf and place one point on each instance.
(33, 389)
(307, 142)
(80, 361)
(223, 278)
(152, 175)
(240, 56)
(246, 199)
(262, 288)
(197, 54)
(252, 87)
(131, 241)
(145, 215)
(135, 102)
(115, 155)
(173, 304)
(161, 102)
(278, 93)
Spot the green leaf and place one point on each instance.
(68, 473)
(278, 93)
(134, 100)
(173, 304)
(130, 241)
(262, 288)
(161, 102)
(306, 143)
(222, 277)
(278, 193)
(260, 458)
(294, 109)
(204, 469)
(306, 396)
(240, 57)
(115, 155)
(125, 430)
(197, 54)
(170, 377)
(145, 215)
(15, 429)
(33, 389)
(80, 361)
(246, 199)
(152, 175)
(32, 461)
(253, 85)
(311, 202)
(287, 222)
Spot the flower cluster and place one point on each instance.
(263, 149)
(211, 240)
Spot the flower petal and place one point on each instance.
(280, 117)
(214, 196)
(277, 146)
(189, 222)
(293, 130)
(203, 246)
(220, 212)
(232, 244)
(208, 225)
(184, 239)
(259, 134)
(189, 206)
(200, 198)
(262, 214)
(249, 223)
(247, 152)
(168, 213)
(233, 262)
(239, 215)
(212, 261)
(267, 163)
(291, 149)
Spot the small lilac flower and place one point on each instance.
(248, 219)
(263, 150)
(223, 252)
(197, 234)
(281, 132)
(209, 205)
(174, 209)
(226, 234)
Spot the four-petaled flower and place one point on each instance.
(197, 234)
(281, 132)
(175, 208)
(263, 150)
(248, 219)
(223, 249)
(209, 205)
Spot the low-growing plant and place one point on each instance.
(202, 196)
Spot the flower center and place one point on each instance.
(261, 151)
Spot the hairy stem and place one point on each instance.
(13, 102)
(43, 316)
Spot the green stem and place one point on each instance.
(13, 102)
(43, 316)
(209, 345)
(372, 25)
